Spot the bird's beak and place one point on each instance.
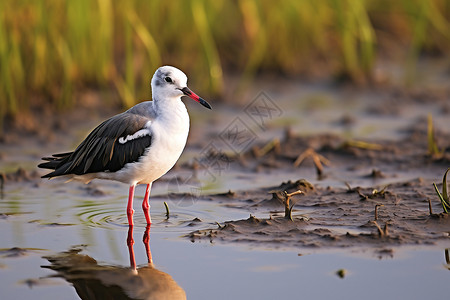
(194, 96)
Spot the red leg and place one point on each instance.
(145, 204)
(146, 240)
(130, 243)
(130, 210)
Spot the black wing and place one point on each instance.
(102, 149)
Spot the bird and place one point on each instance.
(137, 146)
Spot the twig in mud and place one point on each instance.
(376, 210)
(287, 207)
(349, 188)
(355, 189)
(429, 207)
(316, 157)
(382, 192)
(375, 193)
(386, 233)
(167, 210)
(382, 232)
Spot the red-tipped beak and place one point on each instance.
(194, 96)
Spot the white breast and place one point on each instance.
(169, 132)
(162, 155)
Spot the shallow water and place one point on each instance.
(53, 221)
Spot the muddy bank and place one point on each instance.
(336, 217)
(408, 211)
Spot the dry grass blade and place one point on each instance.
(147, 39)
(272, 145)
(430, 208)
(382, 232)
(376, 210)
(362, 145)
(255, 31)
(167, 209)
(316, 157)
(210, 49)
(287, 206)
(433, 148)
(125, 93)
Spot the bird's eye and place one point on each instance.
(168, 79)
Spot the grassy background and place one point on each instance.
(51, 48)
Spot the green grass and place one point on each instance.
(443, 197)
(433, 148)
(50, 49)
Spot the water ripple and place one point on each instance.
(108, 215)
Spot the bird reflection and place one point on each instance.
(94, 281)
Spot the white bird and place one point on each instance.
(137, 146)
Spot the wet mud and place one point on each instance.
(336, 217)
(388, 211)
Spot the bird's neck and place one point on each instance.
(172, 111)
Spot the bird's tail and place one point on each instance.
(52, 163)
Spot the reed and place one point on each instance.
(444, 196)
(50, 49)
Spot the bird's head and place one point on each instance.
(169, 82)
